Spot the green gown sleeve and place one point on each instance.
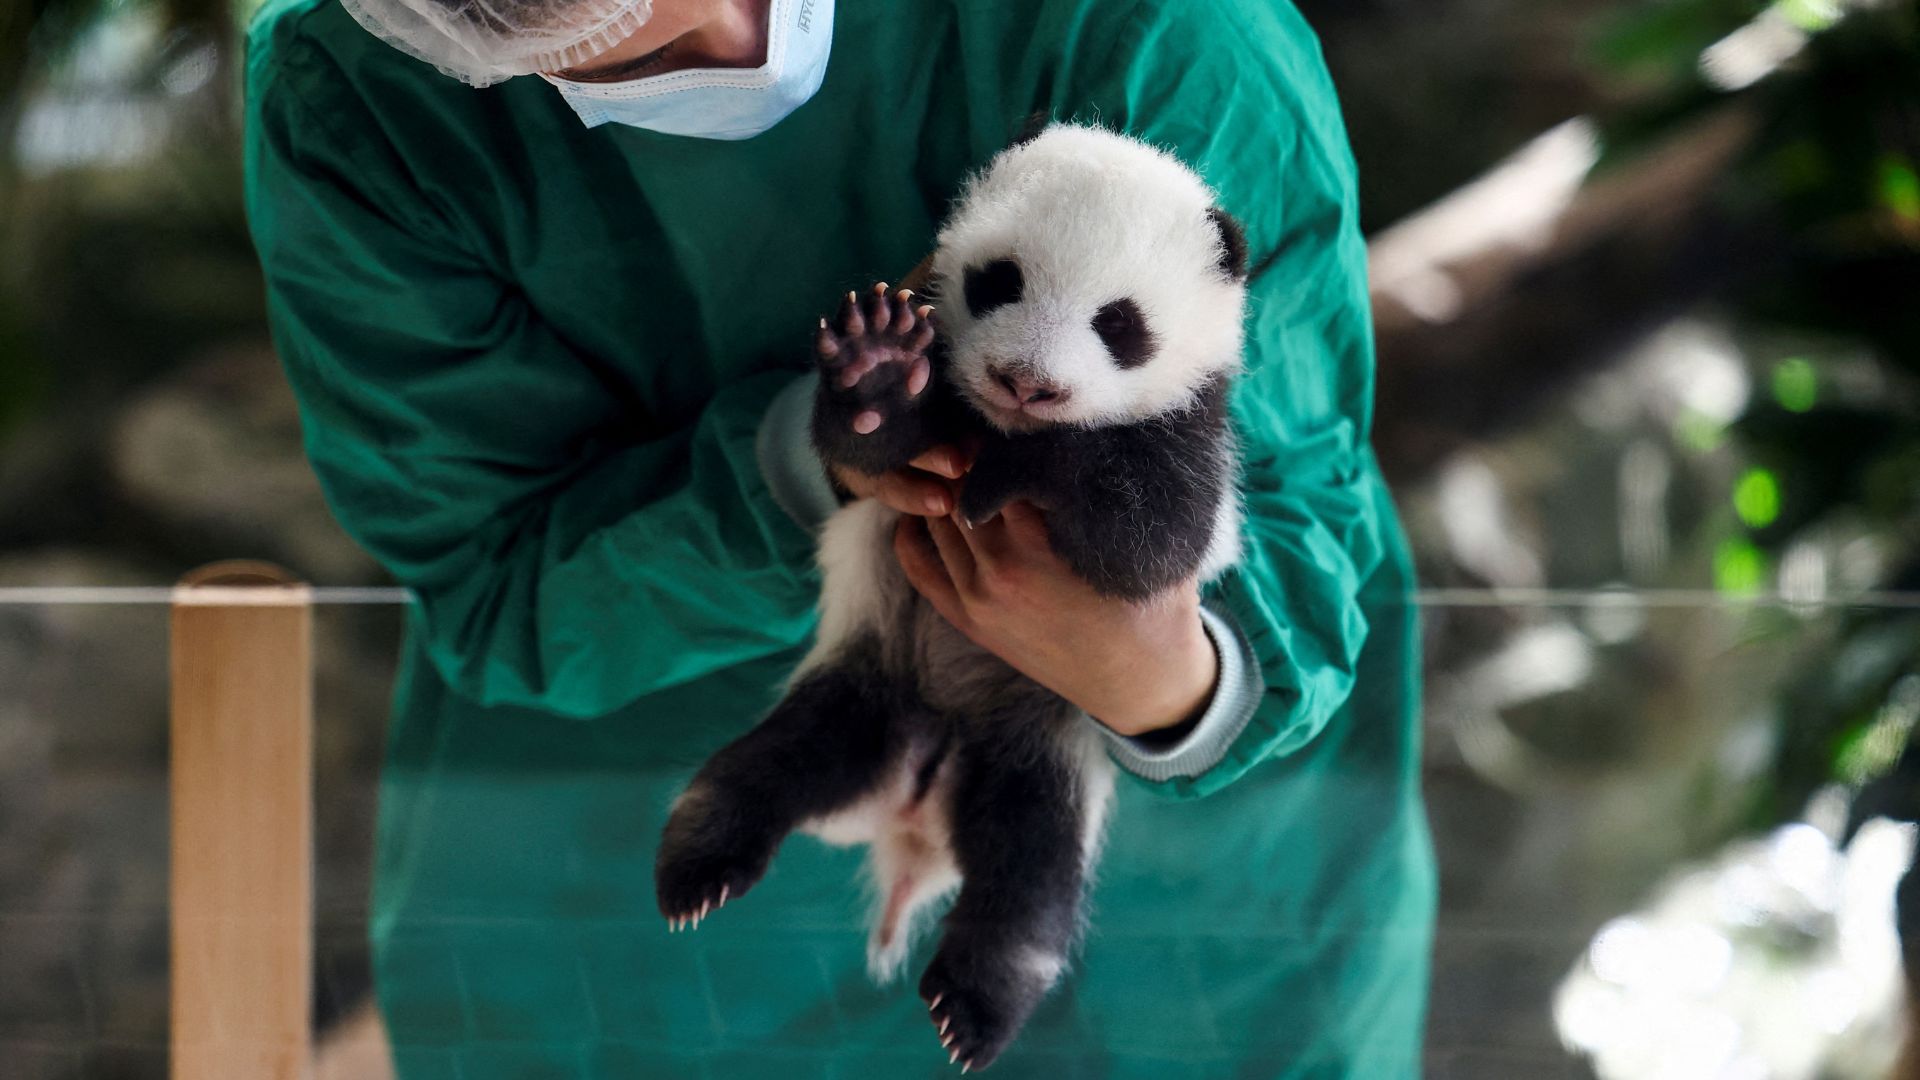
(1238, 90)
(568, 554)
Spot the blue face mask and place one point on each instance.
(721, 103)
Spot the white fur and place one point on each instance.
(1051, 205)
(910, 862)
(1223, 547)
(1096, 793)
(862, 588)
(1043, 967)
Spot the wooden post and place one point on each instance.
(242, 849)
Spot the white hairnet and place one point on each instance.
(485, 41)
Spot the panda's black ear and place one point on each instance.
(1233, 244)
(1030, 128)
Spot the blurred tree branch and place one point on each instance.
(1525, 322)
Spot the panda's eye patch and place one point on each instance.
(994, 285)
(1122, 327)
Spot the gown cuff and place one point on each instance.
(1236, 693)
(788, 462)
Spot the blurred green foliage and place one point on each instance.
(1829, 185)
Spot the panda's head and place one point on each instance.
(1087, 278)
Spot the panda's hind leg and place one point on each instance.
(1025, 818)
(826, 745)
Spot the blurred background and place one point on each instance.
(1647, 279)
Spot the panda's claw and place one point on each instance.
(852, 323)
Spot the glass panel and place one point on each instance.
(1642, 814)
(355, 649)
(83, 836)
(1641, 859)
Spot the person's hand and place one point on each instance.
(921, 489)
(1135, 667)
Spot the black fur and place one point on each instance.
(826, 743)
(835, 737)
(996, 284)
(1130, 508)
(1123, 329)
(1233, 244)
(1020, 856)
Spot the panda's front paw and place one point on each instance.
(874, 373)
(874, 353)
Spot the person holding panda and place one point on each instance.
(545, 334)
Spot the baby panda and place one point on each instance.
(1090, 300)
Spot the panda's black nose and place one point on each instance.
(1027, 391)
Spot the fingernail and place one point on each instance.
(936, 504)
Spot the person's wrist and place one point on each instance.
(1179, 695)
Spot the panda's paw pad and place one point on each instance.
(873, 353)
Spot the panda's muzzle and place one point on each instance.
(1025, 391)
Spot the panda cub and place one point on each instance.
(1090, 298)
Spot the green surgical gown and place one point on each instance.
(532, 360)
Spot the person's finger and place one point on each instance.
(1026, 526)
(987, 541)
(911, 493)
(967, 449)
(920, 561)
(946, 461)
(954, 553)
